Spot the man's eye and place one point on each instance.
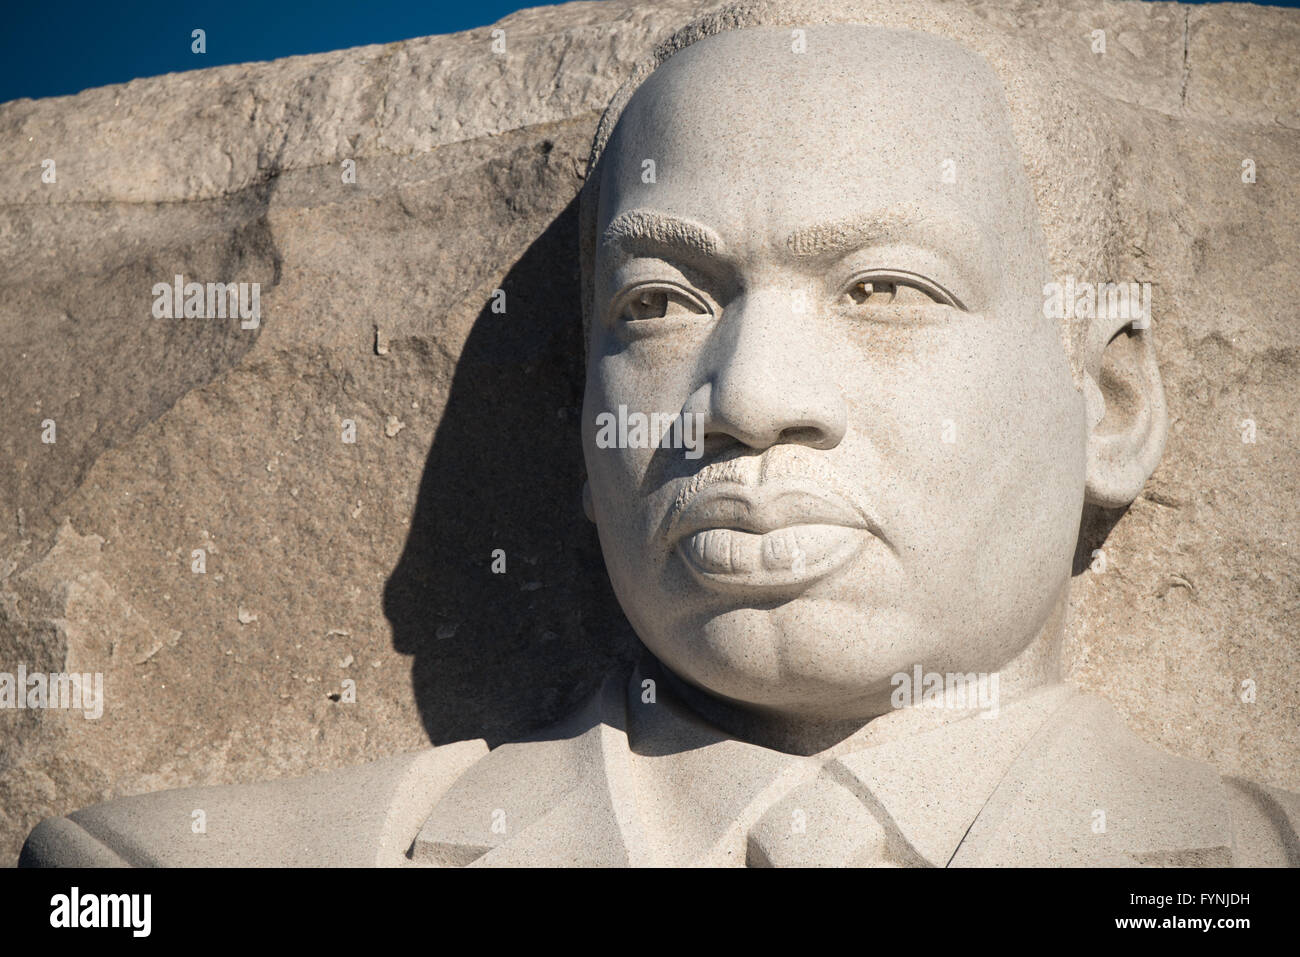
(898, 291)
(661, 302)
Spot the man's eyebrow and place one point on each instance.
(645, 232)
(941, 229)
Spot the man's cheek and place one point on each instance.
(936, 421)
(962, 461)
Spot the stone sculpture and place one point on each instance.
(843, 526)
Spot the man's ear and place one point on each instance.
(1127, 418)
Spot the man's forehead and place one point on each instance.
(745, 133)
(824, 50)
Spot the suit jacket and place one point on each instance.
(637, 779)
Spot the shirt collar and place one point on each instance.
(927, 770)
(637, 778)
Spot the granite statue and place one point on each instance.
(837, 459)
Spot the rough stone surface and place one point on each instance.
(372, 561)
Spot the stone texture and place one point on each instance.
(372, 561)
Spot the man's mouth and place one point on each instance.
(778, 536)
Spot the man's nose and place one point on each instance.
(769, 377)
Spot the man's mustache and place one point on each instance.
(781, 464)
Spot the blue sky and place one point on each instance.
(69, 46)
(66, 47)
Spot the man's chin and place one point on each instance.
(808, 653)
(730, 695)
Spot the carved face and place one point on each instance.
(831, 260)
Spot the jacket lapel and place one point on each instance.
(930, 786)
(563, 800)
(1088, 792)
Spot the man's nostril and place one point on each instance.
(803, 435)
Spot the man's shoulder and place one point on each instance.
(1091, 792)
(360, 816)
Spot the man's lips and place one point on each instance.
(777, 536)
(766, 508)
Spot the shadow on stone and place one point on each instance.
(496, 655)
(1094, 527)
